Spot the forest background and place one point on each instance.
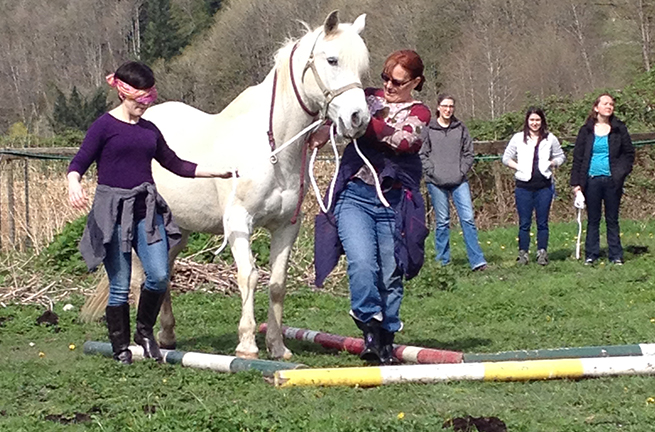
(496, 56)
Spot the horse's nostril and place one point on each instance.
(356, 119)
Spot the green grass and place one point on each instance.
(507, 307)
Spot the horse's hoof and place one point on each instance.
(248, 355)
(284, 354)
(168, 346)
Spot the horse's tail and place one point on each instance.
(94, 307)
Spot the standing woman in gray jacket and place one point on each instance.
(447, 157)
(533, 153)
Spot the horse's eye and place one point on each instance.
(333, 61)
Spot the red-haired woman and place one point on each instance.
(382, 244)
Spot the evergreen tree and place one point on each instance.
(77, 112)
(160, 38)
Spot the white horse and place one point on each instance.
(317, 75)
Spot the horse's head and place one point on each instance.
(336, 60)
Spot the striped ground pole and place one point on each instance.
(560, 353)
(215, 362)
(404, 353)
(488, 371)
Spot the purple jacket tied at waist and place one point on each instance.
(410, 230)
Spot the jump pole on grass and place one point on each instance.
(215, 362)
(404, 353)
(500, 371)
(562, 353)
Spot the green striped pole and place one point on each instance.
(215, 362)
(561, 353)
(493, 371)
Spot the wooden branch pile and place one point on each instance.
(192, 276)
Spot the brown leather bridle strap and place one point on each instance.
(295, 87)
(271, 137)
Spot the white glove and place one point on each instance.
(579, 200)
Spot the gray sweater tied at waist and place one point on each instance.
(104, 216)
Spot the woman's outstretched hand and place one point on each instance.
(205, 171)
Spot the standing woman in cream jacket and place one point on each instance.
(533, 153)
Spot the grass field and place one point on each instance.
(507, 307)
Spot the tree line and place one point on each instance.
(495, 56)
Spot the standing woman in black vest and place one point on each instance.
(602, 159)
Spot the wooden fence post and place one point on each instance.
(10, 203)
(28, 232)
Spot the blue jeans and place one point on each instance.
(461, 195)
(366, 230)
(154, 258)
(598, 190)
(526, 201)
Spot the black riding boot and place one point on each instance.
(118, 323)
(371, 330)
(149, 304)
(387, 356)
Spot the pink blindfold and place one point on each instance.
(125, 90)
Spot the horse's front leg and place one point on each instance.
(282, 240)
(166, 335)
(239, 230)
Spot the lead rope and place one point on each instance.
(312, 178)
(378, 187)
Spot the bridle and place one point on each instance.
(319, 115)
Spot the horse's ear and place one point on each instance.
(359, 23)
(331, 23)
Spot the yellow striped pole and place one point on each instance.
(499, 371)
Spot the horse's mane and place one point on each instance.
(351, 55)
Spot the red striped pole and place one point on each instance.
(404, 353)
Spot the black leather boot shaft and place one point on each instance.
(371, 330)
(149, 305)
(387, 356)
(118, 324)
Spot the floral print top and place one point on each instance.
(399, 127)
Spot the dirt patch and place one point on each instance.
(472, 424)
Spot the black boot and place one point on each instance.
(387, 356)
(118, 323)
(149, 304)
(371, 330)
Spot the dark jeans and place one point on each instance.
(599, 189)
(526, 201)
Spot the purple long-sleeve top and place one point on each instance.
(124, 153)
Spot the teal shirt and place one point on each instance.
(600, 157)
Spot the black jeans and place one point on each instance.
(598, 190)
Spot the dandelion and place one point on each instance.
(548, 318)
(652, 320)
(41, 354)
(401, 415)
(531, 234)
(488, 242)
(164, 380)
(71, 347)
(454, 243)
(650, 400)
(621, 235)
(637, 234)
(502, 247)
(461, 233)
